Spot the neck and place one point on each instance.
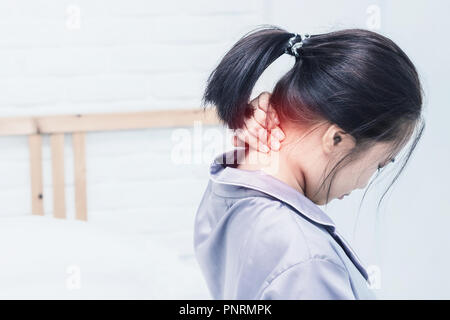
(277, 165)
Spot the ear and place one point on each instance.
(336, 140)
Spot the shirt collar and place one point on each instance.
(263, 182)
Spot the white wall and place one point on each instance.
(68, 57)
(108, 55)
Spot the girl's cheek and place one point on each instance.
(361, 180)
(367, 178)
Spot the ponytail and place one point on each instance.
(230, 85)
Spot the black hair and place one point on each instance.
(357, 79)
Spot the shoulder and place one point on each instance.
(276, 231)
(269, 246)
(279, 250)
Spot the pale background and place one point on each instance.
(66, 57)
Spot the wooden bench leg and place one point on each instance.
(79, 151)
(35, 149)
(59, 196)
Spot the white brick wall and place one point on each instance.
(113, 55)
(66, 57)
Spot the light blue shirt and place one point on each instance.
(256, 237)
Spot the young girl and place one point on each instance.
(348, 106)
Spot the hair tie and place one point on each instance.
(294, 44)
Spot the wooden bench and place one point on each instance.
(77, 126)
